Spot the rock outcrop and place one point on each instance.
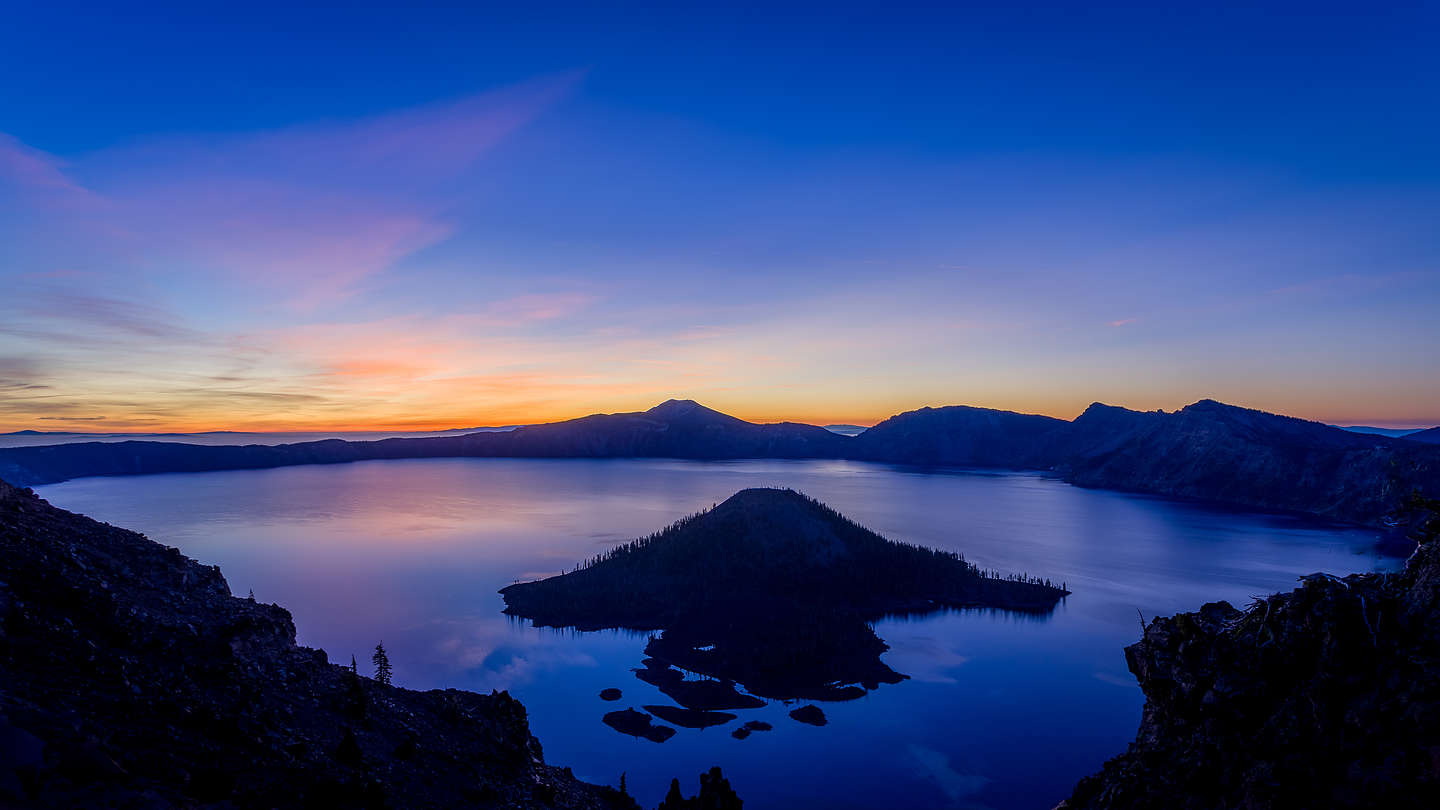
(130, 677)
(1328, 696)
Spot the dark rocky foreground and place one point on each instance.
(130, 677)
(1325, 697)
(1208, 451)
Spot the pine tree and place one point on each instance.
(382, 664)
(252, 594)
(353, 666)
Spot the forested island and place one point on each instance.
(771, 590)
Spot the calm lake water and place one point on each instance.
(1000, 711)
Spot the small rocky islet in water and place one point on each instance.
(770, 592)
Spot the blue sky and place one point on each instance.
(274, 217)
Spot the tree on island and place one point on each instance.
(354, 668)
(382, 664)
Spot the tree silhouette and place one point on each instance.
(382, 664)
(353, 666)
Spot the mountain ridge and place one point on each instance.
(1207, 450)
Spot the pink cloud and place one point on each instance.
(31, 168)
(304, 213)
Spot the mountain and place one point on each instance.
(673, 429)
(1208, 450)
(764, 546)
(1394, 433)
(1431, 436)
(130, 677)
(960, 435)
(1328, 696)
(1250, 458)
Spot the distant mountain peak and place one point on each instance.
(672, 410)
(674, 407)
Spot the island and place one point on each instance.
(770, 590)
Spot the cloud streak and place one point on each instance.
(307, 213)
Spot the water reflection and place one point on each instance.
(412, 552)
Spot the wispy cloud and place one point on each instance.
(306, 213)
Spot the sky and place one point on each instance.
(271, 217)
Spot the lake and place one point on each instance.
(1000, 710)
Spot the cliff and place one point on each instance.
(1328, 696)
(129, 676)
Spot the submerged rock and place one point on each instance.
(690, 718)
(610, 694)
(1328, 696)
(810, 714)
(740, 733)
(708, 696)
(758, 725)
(637, 724)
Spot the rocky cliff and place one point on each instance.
(130, 677)
(1328, 696)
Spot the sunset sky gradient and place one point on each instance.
(272, 219)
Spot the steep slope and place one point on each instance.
(1328, 696)
(1223, 453)
(962, 436)
(129, 676)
